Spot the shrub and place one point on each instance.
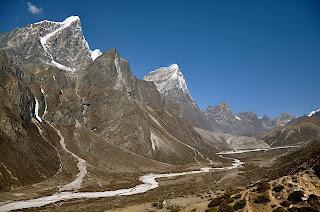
(280, 209)
(225, 208)
(314, 201)
(303, 209)
(217, 201)
(262, 187)
(285, 203)
(239, 204)
(316, 170)
(211, 210)
(157, 205)
(278, 188)
(295, 197)
(262, 199)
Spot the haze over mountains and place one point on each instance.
(79, 119)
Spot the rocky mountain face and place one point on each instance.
(224, 141)
(22, 147)
(59, 44)
(283, 119)
(172, 87)
(62, 103)
(223, 120)
(299, 130)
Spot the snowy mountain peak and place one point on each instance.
(168, 78)
(174, 67)
(59, 44)
(66, 21)
(71, 19)
(313, 112)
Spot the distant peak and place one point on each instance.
(167, 78)
(313, 112)
(223, 107)
(72, 19)
(174, 67)
(171, 69)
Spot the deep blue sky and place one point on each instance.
(262, 56)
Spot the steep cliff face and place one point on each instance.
(59, 44)
(20, 141)
(173, 89)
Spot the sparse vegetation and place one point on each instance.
(211, 210)
(173, 208)
(316, 170)
(237, 196)
(278, 188)
(285, 203)
(295, 197)
(280, 209)
(262, 199)
(262, 187)
(239, 204)
(225, 208)
(303, 209)
(314, 201)
(217, 201)
(157, 205)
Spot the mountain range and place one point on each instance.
(72, 114)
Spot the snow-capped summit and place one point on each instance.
(168, 78)
(313, 112)
(172, 87)
(60, 44)
(66, 21)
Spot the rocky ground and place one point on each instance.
(195, 192)
(296, 192)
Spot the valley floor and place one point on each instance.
(194, 192)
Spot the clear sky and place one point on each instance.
(262, 56)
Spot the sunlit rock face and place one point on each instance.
(173, 89)
(59, 44)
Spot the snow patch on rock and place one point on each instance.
(95, 54)
(238, 118)
(36, 110)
